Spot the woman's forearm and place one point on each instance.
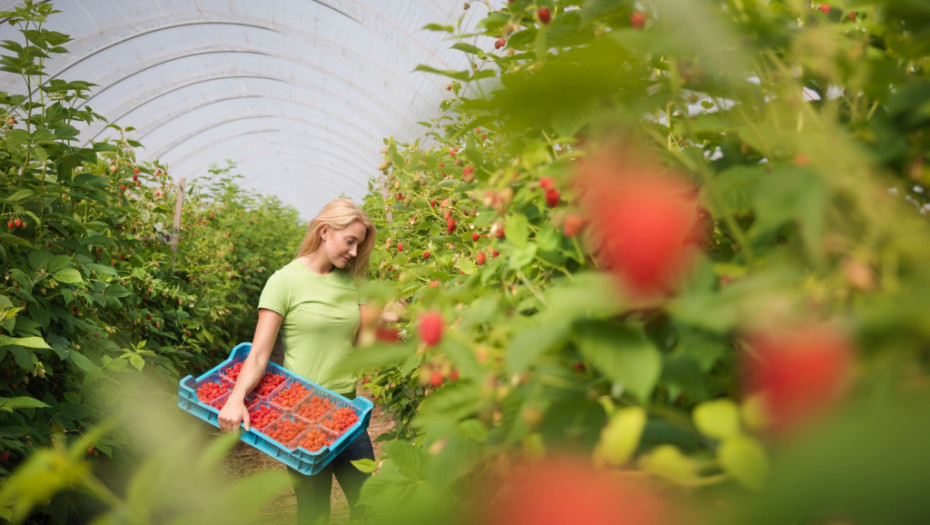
(253, 368)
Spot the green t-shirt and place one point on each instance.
(321, 318)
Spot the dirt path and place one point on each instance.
(245, 460)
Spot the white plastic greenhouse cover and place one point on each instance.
(298, 93)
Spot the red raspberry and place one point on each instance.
(430, 328)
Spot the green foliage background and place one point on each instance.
(804, 127)
(90, 286)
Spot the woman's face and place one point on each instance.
(341, 246)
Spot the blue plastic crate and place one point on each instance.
(298, 458)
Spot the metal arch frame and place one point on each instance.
(344, 137)
(347, 160)
(377, 116)
(330, 183)
(325, 72)
(165, 150)
(351, 163)
(103, 128)
(295, 145)
(315, 38)
(190, 157)
(399, 28)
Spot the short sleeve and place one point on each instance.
(275, 295)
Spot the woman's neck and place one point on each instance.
(317, 262)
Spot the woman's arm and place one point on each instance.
(266, 331)
(372, 316)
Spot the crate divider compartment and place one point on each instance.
(227, 366)
(303, 435)
(300, 459)
(260, 404)
(284, 386)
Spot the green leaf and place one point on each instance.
(467, 48)
(407, 458)
(57, 262)
(102, 269)
(438, 27)
(457, 75)
(23, 357)
(621, 436)
(28, 342)
(365, 465)
(474, 430)
(522, 256)
(68, 276)
(463, 357)
(19, 195)
(374, 356)
(718, 419)
(137, 361)
(532, 342)
(467, 266)
(451, 403)
(623, 354)
(517, 229)
(744, 459)
(9, 404)
(82, 362)
(668, 462)
(117, 290)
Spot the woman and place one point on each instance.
(315, 300)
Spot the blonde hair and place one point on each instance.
(338, 215)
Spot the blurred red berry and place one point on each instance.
(570, 491)
(825, 8)
(499, 43)
(387, 334)
(546, 183)
(430, 328)
(426, 254)
(450, 225)
(544, 15)
(644, 221)
(800, 373)
(480, 258)
(435, 378)
(552, 197)
(637, 20)
(572, 224)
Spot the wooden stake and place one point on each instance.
(176, 232)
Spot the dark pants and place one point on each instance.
(314, 492)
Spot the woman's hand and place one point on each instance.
(233, 413)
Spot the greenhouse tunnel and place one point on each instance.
(298, 94)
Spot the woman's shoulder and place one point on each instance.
(284, 271)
